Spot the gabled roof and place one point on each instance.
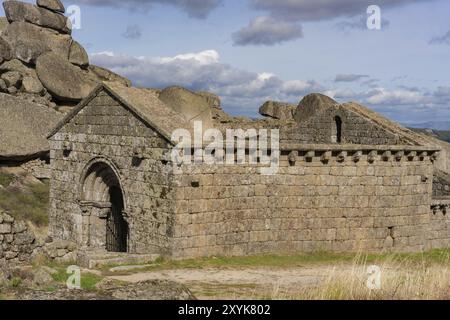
(143, 103)
(23, 127)
(388, 125)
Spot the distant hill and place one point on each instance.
(443, 135)
(434, 125)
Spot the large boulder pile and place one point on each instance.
(193, 106)
(278, 110)
(23, 128)
(40, 61)
(311, 104)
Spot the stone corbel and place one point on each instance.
(138, 153)
(412, 155)
(434, 156)
(372, 157)
(399, 155)
(293, 157)
(357, 156)
(423, 155)
(310, 155)
(435, 210)
(386, 155)
(341, 156)
(326, 156)
(67, 146)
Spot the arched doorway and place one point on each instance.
(102, 191)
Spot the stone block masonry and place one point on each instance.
(16, 243)
(340, 205)
(105, 130)
(111, 176)
(439, 234)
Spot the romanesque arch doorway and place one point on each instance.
(103, 197)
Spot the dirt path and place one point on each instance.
(260, 282)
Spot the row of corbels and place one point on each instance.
(357, 156)
(440, 208)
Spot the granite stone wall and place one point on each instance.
(439, 233)
(341, 205)
(340, 197)
(105, 131)
(441, 184)
(355, 129)
(16, 242)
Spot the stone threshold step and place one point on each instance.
(94, 260)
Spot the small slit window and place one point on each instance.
(336, 136)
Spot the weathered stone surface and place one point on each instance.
(62, 79)
(5, 228)
(54, 5)
(192, 106)
(12, 78)
(17, 65)
(212, 99)
(328, 197)
(3, 24)
(3, 86)
(78, 55)
(312, 104)
(12, 90)
(5, 50)
(278, 110)
(32, 85)
(28, 41)
(23, 127)
(108, 76)
(17, 11)
(146, 290)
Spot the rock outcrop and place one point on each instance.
(23, 127)
(278, 110)
(17, 11)
(53, 71)
(41, 62)
(193, 106)
(311, 104)
(53, 5)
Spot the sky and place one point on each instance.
(251, 51)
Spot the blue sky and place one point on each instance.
(250, 51)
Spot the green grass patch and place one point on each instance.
(6, 179)
(441, 256)
(88, 280)
(30, 204)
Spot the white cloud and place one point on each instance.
(194, 8)
(267, 31)
(314, 10)
(350, 77)
(242, 91)
(204, 57)
(382, 96)
(444, 39)
(341, 93)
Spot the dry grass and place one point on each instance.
(401, 279)
(29, 202)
